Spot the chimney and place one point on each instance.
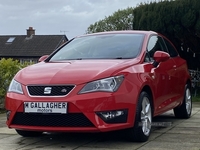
(30, 31)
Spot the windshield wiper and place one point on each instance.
(119, 58)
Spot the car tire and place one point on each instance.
(140, 132)
(185, 109)
(25, 133)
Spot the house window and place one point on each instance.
(10, 40)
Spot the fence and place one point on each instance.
(195, 77)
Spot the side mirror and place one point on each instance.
(160, 56)
(43, 58)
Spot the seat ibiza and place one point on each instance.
(101, 82)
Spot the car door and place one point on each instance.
(163, 75)
(178, 84)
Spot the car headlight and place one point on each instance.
(15, 87)
(108, 85)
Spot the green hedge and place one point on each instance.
(8, 69)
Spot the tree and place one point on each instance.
(178, 20)
(120, 20)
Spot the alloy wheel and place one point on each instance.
(188, 101)
(146, 116)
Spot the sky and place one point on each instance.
(56, 17)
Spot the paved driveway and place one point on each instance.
(181, 135)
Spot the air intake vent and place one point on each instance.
(49, 90)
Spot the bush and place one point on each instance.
(8, 69)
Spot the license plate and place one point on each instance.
(45, 107)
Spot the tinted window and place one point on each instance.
(155, 44)
(107, 46)
(171, 49)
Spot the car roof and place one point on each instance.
(120, 32)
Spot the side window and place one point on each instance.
(155, 44)
(171, 49)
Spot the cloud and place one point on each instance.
(71, 17)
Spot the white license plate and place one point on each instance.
(45, 107)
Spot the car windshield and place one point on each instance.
(107, 46)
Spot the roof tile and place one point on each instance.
(35, 46)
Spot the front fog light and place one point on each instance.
(8, 112)
(111, 114)
(116, 116)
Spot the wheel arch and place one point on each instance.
(148, 90)
(189, 83)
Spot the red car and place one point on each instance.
(101, 82)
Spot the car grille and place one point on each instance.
(48, 90)
(52, 120)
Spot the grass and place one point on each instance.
(196, 95)
(196, 98)
(2, 111)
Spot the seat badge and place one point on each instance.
(47, 90)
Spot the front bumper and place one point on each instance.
(83, 112)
